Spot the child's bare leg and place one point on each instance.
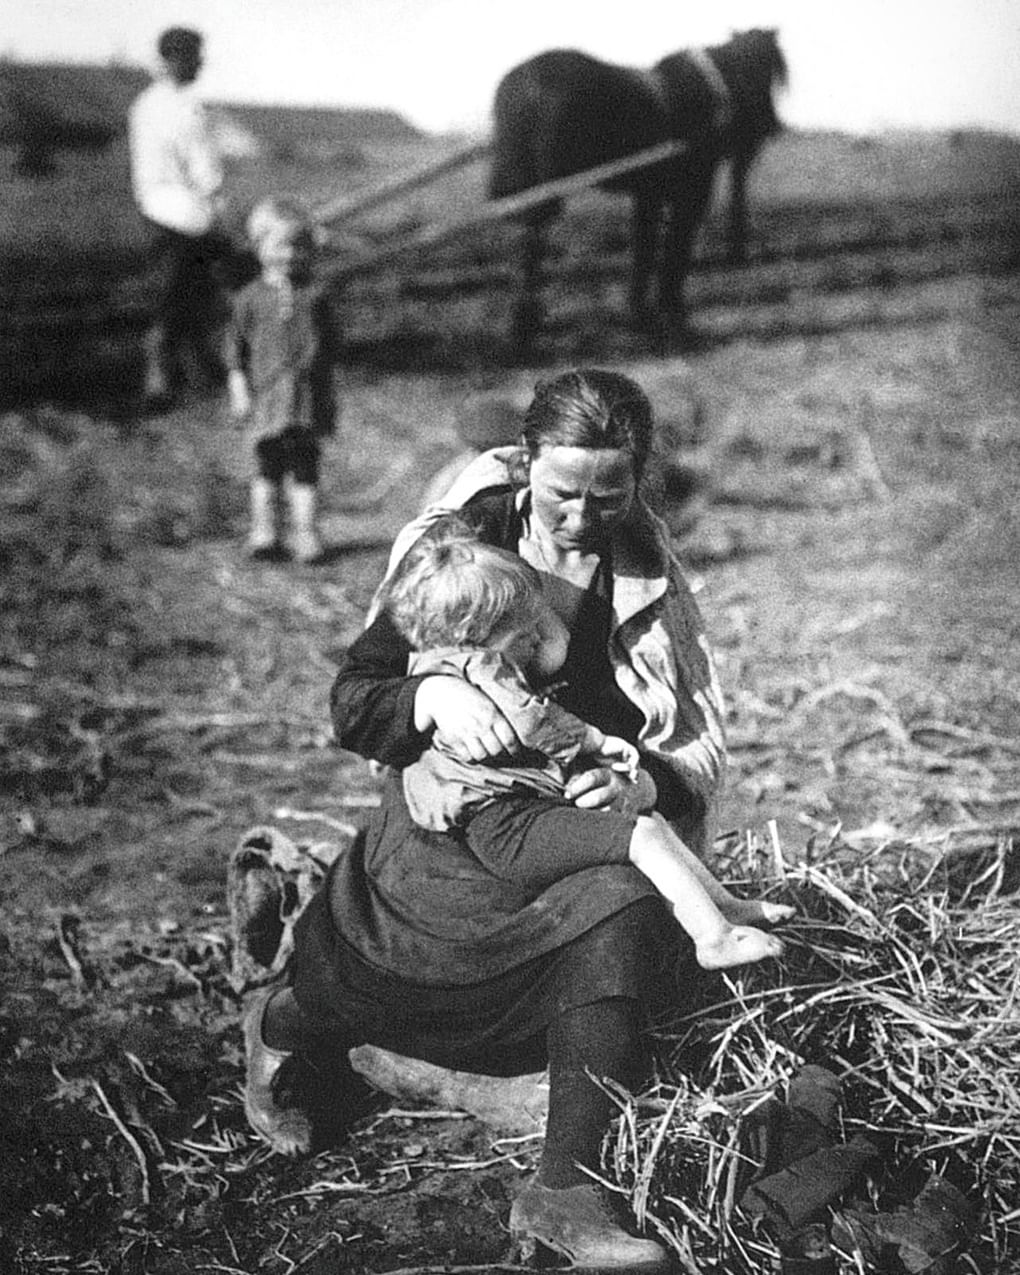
(737, 911)
(662, 857)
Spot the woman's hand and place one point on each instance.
(470, 724)
(602, 788)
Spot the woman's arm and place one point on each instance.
(372, 701)
(381, 713)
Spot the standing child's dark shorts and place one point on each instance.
(294, 451)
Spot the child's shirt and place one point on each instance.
(442, 791)
(284, 337)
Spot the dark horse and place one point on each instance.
(562, 112)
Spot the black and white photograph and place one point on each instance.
(590, 420)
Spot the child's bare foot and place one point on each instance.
(739, 945)
(755, 912)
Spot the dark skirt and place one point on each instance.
(496, 1026)
(426, 907)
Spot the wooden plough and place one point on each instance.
(491, 211)
(335, 211)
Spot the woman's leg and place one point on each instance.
(601, 1040)
(297, 1059)
(283, 1025)
(562, 1208)
(286, 1126)
(296, 1079)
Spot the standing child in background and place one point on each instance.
(282, 349)
(476, 612)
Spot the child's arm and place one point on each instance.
(235, 357)
(621, 755)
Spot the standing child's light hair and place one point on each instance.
(450, 589)
(276, 216)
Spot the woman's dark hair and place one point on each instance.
(591, 408)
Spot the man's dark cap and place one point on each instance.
(178, 41)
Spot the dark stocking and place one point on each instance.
(318, 1078)
(603, 1038)
(283, 1025)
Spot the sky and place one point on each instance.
(858, 65)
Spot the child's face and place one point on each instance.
(286, 253)
(535, 643)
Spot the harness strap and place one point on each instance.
(712, 76)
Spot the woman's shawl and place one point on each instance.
(660, 655)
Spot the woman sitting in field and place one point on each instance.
(459, 954)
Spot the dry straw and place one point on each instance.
(901, 976)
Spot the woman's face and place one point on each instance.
(579, 494)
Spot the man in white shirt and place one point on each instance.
(177, 178)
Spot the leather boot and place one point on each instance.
(580, 1223)
(302, 499)
(262, 536)
(286, 1129)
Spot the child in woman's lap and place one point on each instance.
(477, 613)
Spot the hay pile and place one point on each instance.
(901, 977)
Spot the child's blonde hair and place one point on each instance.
(277, 216)
(450, 589)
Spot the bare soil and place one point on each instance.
(850, 430)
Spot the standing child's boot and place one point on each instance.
(304, 541)
(263, 541)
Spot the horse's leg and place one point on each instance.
(527, 317)
(739, 168)
(686, 214)
(646, 211)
